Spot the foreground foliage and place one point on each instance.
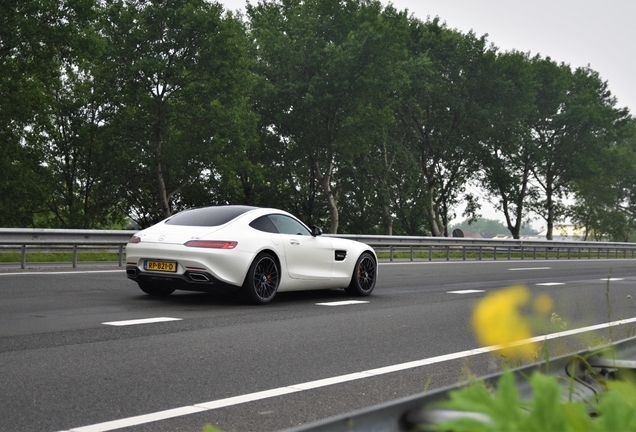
(614, 410)
(498, 320)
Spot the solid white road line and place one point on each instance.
(551, 283)
(141, 321)
(62, 272)
(250, 397)
(342, 303)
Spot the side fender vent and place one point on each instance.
(341, 255)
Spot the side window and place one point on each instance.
(286, 225)
(264, 224)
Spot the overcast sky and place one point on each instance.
(598, 33)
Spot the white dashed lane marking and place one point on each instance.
(342, 303)
(465, 291)
(529, 268)
(551, 283)
(141, 321)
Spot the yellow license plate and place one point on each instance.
(162, 266)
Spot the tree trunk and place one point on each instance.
(387, 220)
(161, 184)
(434, 224)
(330, 193)
(550, 209)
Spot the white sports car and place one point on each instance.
(258, 251)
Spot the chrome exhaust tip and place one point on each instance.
(199, 277)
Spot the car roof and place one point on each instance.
(217, 215)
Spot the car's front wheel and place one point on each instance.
(155, 289)
(364, 276)
(262, 280)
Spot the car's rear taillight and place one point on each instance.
(134, 239)
(212, 244)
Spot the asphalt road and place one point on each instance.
(67, 364)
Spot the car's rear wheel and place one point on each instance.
(364, 276)
(262, 280)
(155, 289)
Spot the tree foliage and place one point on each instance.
(179, 76)
(36, 37)
(350, 114)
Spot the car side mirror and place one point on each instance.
(315, 231)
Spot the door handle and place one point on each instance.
(294, 241)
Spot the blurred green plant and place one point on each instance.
(497, 320)
(504, 410)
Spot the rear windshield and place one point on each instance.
(208, 216)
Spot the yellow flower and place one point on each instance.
(497, 321)
(543, 304)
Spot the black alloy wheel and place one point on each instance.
(263, 278)
(364, 276)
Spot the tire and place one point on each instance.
(155, 290)
(262, 280)
(363, 277)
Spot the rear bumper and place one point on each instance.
(190, 280)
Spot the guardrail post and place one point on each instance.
(522, 250)
(74, 256)
(121, 255)
(495, 253)
(534, 253)
(23, 259)
(447, 253)
(479, 253)
(558, 253)
(390, 253)
(464, 253)
(430, 253)
(508, 253)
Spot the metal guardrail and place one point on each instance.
(42, 238)
(524, 248)
(581, 375)
(24, 238)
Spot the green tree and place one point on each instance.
(179, 74)
(506, 153)
(319, 61)
(574, 118)
(34, 37)
(79, 171)
(373, 182)
(441, 115)
(605, 197)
